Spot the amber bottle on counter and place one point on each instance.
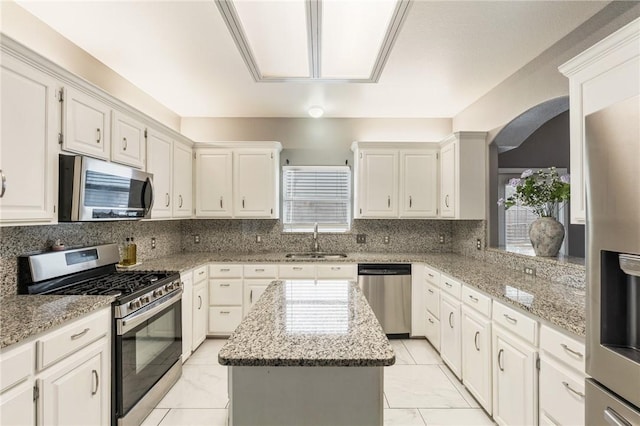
(133, 255)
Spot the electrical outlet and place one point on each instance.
(441, 238)
(153, 243)
(361, 238)
(530, 270)
(258, 239)
(479, 244)
(386, 239)
(196, 239)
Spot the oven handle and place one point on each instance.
(125, 324)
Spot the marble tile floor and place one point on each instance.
(418, 390)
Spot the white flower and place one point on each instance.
(514, 182)
(501, 201)
(565, 179)
(526, 173)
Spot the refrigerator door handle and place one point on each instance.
(614, 419)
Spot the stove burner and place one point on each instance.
(117, 283)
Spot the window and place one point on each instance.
(316, 194)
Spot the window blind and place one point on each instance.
(316, 194)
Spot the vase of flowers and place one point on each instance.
(543, 191)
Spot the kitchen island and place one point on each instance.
(308, 353)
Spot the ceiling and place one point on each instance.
(447, 55)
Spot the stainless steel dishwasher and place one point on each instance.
(387, 288)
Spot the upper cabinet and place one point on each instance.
(182, 180)
(86, 124)
(599, 77)
(238, 182)
(159, 161)
(28, 143)
(463, 176)
(395, 180)
(128, 143)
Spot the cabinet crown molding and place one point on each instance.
(392, 145)
(239, 145)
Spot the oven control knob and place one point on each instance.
(134, 304)
(168, 287)
(157, 293)
(145, 299)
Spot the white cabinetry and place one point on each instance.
(128, 143)
(418, 188)
(182, 176)
(432, 306)
(255, 183)
(463, 176)
(87, 124)
(253, 289)
(200, 306)
(159, 161)
(602, 75)
(213, 185)
(417, 300)
(187, 313)
(515, 384)
(29, 117)
(377, 183)
(450, 338)
(225, 299)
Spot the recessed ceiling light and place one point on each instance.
(316, 111)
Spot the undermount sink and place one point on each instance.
(315, 255)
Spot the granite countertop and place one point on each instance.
(23, 316)
(309, 323)
(559, 304)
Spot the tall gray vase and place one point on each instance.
(546, 235)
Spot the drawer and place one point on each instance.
(432, 330)
(345, 271)
(519, 324)
(225, 292)
(260, 271)
(432, 300)
(432, 276)
(476, 300)
(56, 345)
(225, 271)
(16, 365)
(296, 271)
(451, 286)
(224, 319)
(200, 274)
(564, 348)
(561, 394)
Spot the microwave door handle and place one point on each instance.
(147, 193)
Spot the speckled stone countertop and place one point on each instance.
(309, 323)
(559, 304)
(22, 316)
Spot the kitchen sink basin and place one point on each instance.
(315, 255)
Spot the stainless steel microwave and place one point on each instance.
(95, 190)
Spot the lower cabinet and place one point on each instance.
(200, 306)
(253, 289)
(561, 394)
(432, 330)
(450, 338)
(476, 356)
(17, 407)
(187, 314)
(223, 320)
(515, 385)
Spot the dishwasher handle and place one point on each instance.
(384, 269)
(382, 272)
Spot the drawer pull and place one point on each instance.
(447, 284)
(251, 296)
(568, 349)
(513, 320)
(297, 268)
(201, 273)
(569, 388)
(224, 312)
(475, 299)
(451, 319)
(79, 335)
(225, 285)
(336, 268)
(475, 341)
(224, 269)
(431, 275)
(259, 269)
(199, 302)
(500, 352)
(430, 320)
(95, 375)
(430, 291)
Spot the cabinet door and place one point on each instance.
(28, 135)
(78, 393)
(515, 387)
(128, 144)
(253, 291)
(450, 339)
(254, 176)
(159, 161)
(86, 125)
(187, 314)
(17, 407)
(214, 183)
(448, 174)
(378, 184)
(418, 183)
(562, 394)
(200, 306)
(476, 356)
(182, 180)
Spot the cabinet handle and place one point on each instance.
(615, 419)
(224, 269)
(297, 268)
(224, 312)
(568, 349)
(513, 320)
(410, 201)
(79, 335)
(4, 183)
(243, 202)
(199, 302)
(569, 388)
(99, 135)
(475, 341)
(430, 320)
(451, 319)
(251, 296)
(431, 275)
(221, 202)
(500, 359)
(259, 269)
(448, 284)
(95, 376)
(475, 299)
(388, 201)
(335, 268)
(446, 200)
(124, 144)
(201, 273)
(225, 285)
(430, 291)
(179, 201)
(168, 199)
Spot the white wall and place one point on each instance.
(29, 31)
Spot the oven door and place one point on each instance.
(148, 344)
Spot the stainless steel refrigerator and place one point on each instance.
(613, 264)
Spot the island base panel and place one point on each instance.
(300, 396)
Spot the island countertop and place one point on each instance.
(309, 323)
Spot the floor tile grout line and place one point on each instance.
(422, 417)
(409, 352)
(451, 379)
(163, 417)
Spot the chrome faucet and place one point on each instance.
(316, 245)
